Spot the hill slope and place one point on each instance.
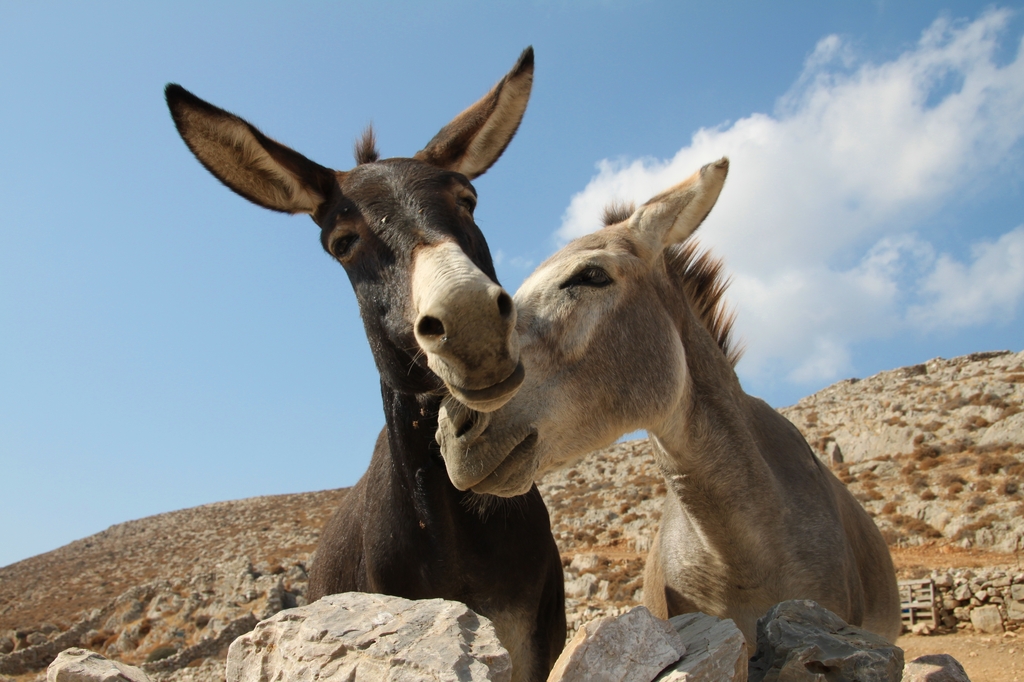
(935, 452)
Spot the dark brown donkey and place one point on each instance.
(437, 321)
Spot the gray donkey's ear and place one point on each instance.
(475, 139)
(676, 213)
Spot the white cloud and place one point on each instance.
(855, 155)
(988, 288)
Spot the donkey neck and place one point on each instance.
(412, 474)
(709, 451)
(411, 421)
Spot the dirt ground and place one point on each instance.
(920, 560)
(986, 658)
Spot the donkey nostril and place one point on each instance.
(504, 304)
(430, 326)
(466, 426)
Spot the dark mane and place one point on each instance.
(700, 274)
(617, 211)
(366, 147)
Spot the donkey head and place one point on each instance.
(599, 323)
(403, 229)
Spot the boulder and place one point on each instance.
(370, 636)
(935, 668)
(924, 628)
(987, 619)
(633, 647)
(799, 640)
(82, 665)
(715, 651)
(581, 587)
(832, 453)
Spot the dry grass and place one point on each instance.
(949, 478)
(914, 526)
(975, 504)
(967, 531)
(1009, 488)
(989, 464)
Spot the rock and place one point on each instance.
(923, 628)
(584, 562)
(634, 647)
(935, 668)
(6, 644)
(1017, 592)
(1014, 610)
(581, 587)
(715, 651)
(799, 640)
(207, 647)
(832, 453)
(82, 665)
(369, 636)
(987, 619)
(962, 593)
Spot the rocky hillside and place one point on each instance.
(935, 452)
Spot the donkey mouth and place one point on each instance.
(514, 476)
(494, 396)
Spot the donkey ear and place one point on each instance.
(475, 139)
(263, 171)
(676, 213)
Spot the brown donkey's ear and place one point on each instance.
(475, 139)
(263, 171)
(676, 213)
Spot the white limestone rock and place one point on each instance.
(633, 647)
(82, 665)
(715, 650)
(370, 636)
(987, 619)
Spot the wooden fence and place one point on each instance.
(917, 602)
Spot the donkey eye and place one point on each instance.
(467, 202)
(588, 277)
(343, 244)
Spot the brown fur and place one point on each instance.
(366, 147)
(401, 227)
(626, 328)
(703, 281)
(617, 212)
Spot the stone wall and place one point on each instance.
(987, 600)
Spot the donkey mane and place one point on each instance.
(366, 147)
(617, 212)
(703, 282)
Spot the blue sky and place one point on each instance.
(164, 344)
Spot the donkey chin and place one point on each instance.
(487, 399)
(500, 462)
